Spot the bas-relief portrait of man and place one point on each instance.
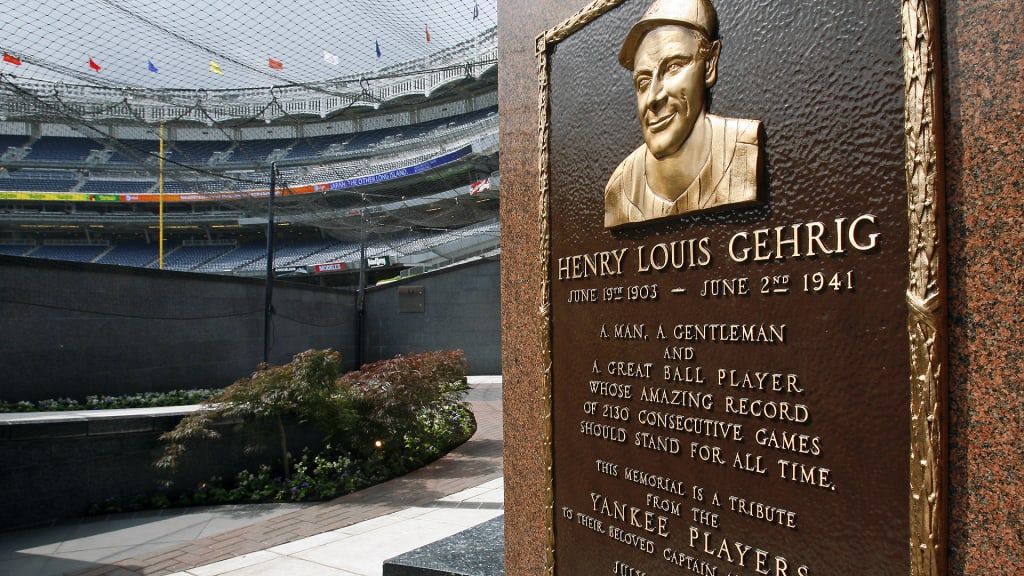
(691, 160)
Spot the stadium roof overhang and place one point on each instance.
(36, 101)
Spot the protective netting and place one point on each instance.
(380, 115)
(225, 44)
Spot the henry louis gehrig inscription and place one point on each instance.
(730, 373)
(691, 160)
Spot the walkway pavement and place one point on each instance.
(348, 536)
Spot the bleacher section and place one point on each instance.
(245, 258)
(421, 249)
(235, 259)
(53, 149)
(34, 180)
(38, 181)
(96, 186)
(11, 147)
(136, 151)
(257, 152)
(333, 252)
(191, 257)
(16, 249)
(93, 193)
(61, 149)
(135, 254)
(72, 253)
(196, 153)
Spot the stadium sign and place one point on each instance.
(50, 196)
(402, 172)
(378, 262)
(329, 267)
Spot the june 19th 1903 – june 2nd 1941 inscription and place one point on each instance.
(726, 233)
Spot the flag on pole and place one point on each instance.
(427, 29)
(215, 68)
(377, 44)
(152, 67)
(330, 58)
(275, 64)
(12, 59)
(94, 65)
(479, 186)
(476, 11)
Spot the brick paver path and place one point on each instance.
(477, 461)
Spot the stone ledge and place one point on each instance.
(478, 551)
(59, 464)
(77, 423)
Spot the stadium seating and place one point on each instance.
(72, 253)
(191, 257)
(62, 149)
(95, 186)
(249, 258)
(126, 167)
(59, 183)
(236, 259)
(16, 249)
(248, 153)
(132, 152)
(331, 252)
(135, 254)
(197, 153)
(10, 141)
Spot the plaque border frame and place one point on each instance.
(926, 293)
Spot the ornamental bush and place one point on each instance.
(381, 421)
(398, 397)
(305, 390)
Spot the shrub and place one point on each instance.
(394, 396)
(305, 389)
(389, 415)
(413, 405)
(330, 473)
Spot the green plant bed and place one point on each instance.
(314, 477)
(379, 422)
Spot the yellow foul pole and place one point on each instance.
(161, 187)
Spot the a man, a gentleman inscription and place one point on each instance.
(690, 160)
(726, 391)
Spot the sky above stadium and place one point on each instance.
(226, 44)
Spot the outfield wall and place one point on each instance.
(453, 308)
(72, 329)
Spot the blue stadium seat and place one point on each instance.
(72, 253)
(137, 254)
(62, 149)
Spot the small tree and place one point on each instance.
(392, 394)
(305, 390)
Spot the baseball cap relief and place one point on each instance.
(697, 15)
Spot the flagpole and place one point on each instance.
(161, 188)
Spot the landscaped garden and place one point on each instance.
(373, 424)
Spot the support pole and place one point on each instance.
(160, 242)
(361, 301)
(269, 303)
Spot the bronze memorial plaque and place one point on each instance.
(744, 296)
